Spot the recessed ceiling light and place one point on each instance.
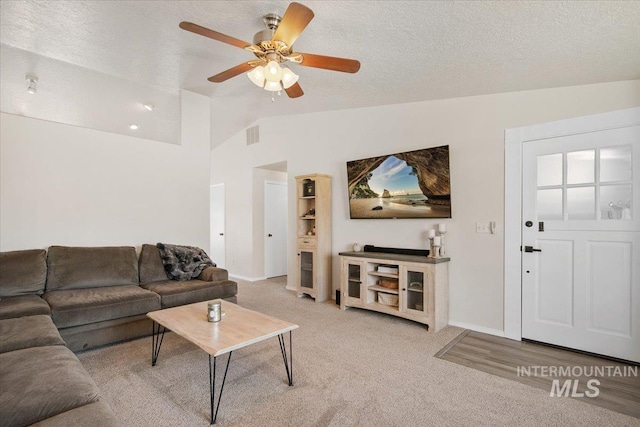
(133, 126)
(148, 107)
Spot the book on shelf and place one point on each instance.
(387, 269)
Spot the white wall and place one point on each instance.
(473, 127)
(65, 185)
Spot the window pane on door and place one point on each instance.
(550, 170)
(615, 164)
(581, 167)
(549, 204)
(615, 202)
(581, 203)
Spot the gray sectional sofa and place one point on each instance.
(22, 278)
(74, 299)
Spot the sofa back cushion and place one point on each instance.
(22, 272)
(151, 267)
(79, 267)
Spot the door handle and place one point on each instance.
(269, 235)
(222, 234)
(531, 249)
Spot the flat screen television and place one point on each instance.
(414, 184)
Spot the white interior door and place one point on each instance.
(275, 227)
(217, 213)
(581, 242)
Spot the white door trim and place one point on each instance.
(514, 138)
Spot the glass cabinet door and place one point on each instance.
(306, 269)
(354, 280)
(415, 296)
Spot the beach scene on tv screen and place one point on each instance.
(414, 184)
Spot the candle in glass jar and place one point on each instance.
(214, 312)
(442, 228)
(436, 241)
(431, 233)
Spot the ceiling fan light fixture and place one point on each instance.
(257, 76)
(273, 86)
(272, 47)
(273, 72)
(289, 78)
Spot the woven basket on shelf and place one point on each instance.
(388, 283)
(388, 299)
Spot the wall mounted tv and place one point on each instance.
(414, 184)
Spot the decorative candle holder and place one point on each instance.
(436, 251)
(214, 311)
(442, 233)
(437, 244)
(431, 234)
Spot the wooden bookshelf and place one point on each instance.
(313, 218)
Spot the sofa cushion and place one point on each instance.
(75, 307)
(76, 268)
(22, 272)
(176, 293)
(28, 331)
(41, 382)
(96, 414)
(213, 274)
(150, 265)
(24, 305)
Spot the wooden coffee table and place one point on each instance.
(238, 328)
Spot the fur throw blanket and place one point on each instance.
(183, 262)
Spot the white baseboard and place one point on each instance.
(490, 331)
(246, 279)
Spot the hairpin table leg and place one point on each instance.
(288, 362)
(156, 341)
(212, 386)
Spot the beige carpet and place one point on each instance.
(351, 368)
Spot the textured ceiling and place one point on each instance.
(409, 50)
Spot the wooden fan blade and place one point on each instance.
(294, 21)
(294, 91)
(231, 72)
(195, 28)
(329, 62)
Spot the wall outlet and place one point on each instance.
(483, 227)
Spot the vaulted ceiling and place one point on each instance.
(98, 61)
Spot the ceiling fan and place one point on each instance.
(273, 47)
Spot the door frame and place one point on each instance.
(284, 184)
(514, 139)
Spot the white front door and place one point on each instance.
(217, 213)
(275, 227)
(581, 242)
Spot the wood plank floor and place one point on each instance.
(506, 358)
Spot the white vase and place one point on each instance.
(357, 247)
